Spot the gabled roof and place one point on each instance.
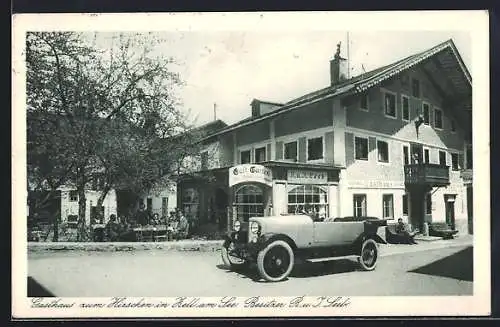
(461, 81)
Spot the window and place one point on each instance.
(388, 206)
(359, 203)
(453, 125)
(315, 148)
(442, 158)
(468, 154)
(363, 102)
(383, 151)
(426, 112)
(290, 151)
(390, 105)
(454, 161)
(415, 88)
(405, 204)
(204, 160)
(190, 203)
(245, 157)
(73, 196)
(428, 204)
(426, 156)
(249, 202)
(438, 118)
(405, 108)
(308, 197)
(406, 154)
(361, 148)
(260, 154)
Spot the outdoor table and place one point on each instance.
(148, 230)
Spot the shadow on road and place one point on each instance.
(300, 270)
(37, 290)
(457, 266)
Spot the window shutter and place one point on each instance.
(279, 150)
(461, 161)
(372, 145)
(302, 149)
(268, 152)
(349, 149)
(329, 147)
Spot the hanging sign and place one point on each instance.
(250, 173)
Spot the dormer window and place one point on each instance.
(363, 102)
(415, 88)
(390, 104)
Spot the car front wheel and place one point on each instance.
(275, 261)
(369, 255)
(229, 260)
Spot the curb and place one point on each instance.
(200, 246)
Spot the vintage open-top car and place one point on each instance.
(274, 242)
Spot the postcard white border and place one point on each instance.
(475, 22)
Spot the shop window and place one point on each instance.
(428, 204)
(388, 206)
(415, 88)
(383, 151)
(315, 148)
(405, 204)
(405, 108)
(454, 161)
(73, 196)
(426, 112)
(363, 102)
(245, 157)
(442, 158)
(406, 154)
(438, 118)
(190, 203)
(361, 148)
(290, 151)
(359, 204)
(390, 104)
(260, 154)
(249, 202)
(308, 198)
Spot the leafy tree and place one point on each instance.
(106, 112)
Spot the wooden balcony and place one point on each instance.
(427, 175)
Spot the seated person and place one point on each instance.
(403, 233)
(183, 226)
(113, 229)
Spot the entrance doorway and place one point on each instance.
(450, 210)
(249, 202)
(221, 206)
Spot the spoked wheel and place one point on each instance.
(275, 262)
(230, 260)
(369, 255)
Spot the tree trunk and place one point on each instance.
(55, 225)
(81, 212)
(101, 199)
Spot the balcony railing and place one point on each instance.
(427, 174)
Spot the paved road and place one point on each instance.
(446, 271)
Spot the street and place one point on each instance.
(155, 273)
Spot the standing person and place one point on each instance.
(183, 226)
(113, 229)
(142, 215)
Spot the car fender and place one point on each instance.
(364, 236)
(266, 239)
(228, 238)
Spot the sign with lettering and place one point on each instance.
(306, 176)
(375, 184)
(250, 173)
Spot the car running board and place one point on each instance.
(352, 256)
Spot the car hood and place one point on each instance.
(288, 220)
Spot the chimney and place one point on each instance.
(338, 67)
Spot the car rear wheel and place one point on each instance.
(369, 255)
(275, 261)
(230, 260)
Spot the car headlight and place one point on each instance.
(237, 225)
(254, 227)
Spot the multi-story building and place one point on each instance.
(393, 142)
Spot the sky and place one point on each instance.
(232, 68)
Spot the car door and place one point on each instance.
(327, 233)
